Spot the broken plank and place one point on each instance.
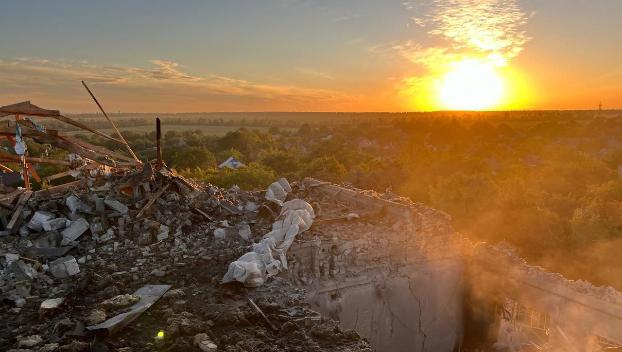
(17, 214)
(10, 197)
(5, 168)
(272, 326)
(152, 200)
(4, 156)
(98, 149)
(85, 127)
(58, 175)
(54, 190)
(203, 213)
(127, 146)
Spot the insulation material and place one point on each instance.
(277, 191)
(268, 257)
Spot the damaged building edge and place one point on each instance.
(440, 292)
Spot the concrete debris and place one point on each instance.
(220, 233)
(244, 230)
(133, 224)
(51, 303)
(163, 232)
(64, 267)
(96, 316)
(120, 301)
(75, 205)
(203, 342)
(22, 270)
(55, 224)
(29, 341)
(147, 295)
(116, 205)
(37, 220)
(74, 231)
(338, 250)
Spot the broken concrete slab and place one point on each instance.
(64, 267)
(29, 341)
(38, 218)
(22, 270)
(116, 205)
(51, 303)
(244, 230)
(74, 231)
(55, 224)
(148, 296)
(106, 236)
(76, 205)
(203, 342)
(163, 232)
(220, 233)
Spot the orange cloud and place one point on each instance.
(164, 80)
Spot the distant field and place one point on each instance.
(206, 129)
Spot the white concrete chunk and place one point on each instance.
(37, 220)
(116, 205)
(75, 230)
(64, 267)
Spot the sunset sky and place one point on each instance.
(312, 55)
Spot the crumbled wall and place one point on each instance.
(534, 306)
(393, 274)
(396, 272)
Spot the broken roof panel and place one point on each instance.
(26, 108)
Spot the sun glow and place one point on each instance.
(471, 85)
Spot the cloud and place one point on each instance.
(493, 26)
(487, 31)
(164, 80)
(314, 73)
(488, 28)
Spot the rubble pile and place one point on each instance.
(134, 262)
(506, 255)
(129, 256)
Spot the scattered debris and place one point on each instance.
(254, 305)
(51, 303)
(64, 267)
(147, 295)
(203, 342)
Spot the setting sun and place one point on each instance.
(471, 85)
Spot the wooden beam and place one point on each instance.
(152, 200)
(57, 176)
(16, 218)
(85, 127)
(4, 156)
(98, 148)
(129, 149)
(54, 190)
(100, 155)
(5, 168)
(158, 143)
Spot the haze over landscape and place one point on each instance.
(299, 55)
